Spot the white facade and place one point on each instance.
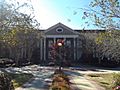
(59, 31)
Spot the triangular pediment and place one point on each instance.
(60, 29)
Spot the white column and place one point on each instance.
(64, 39)
(74, 48)
(22, 52)
(54, 40)
(41, 49)
(45, 48)
(77, 49)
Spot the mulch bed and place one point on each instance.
(60, 81)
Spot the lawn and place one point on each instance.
(105, 80)
(19, 79)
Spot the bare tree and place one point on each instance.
(106, 14)
(18, 31)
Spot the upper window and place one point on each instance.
(59, 30)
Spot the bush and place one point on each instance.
(5, 62)
(20, 79)
(5, 82)
(58, 72)
(60, 81)
(116, 80)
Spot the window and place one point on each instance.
(68, 43)
(59, 30)
(50, 43)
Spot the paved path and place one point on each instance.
(88, 70)
(38, 83)
(79, 82)
(40, 75)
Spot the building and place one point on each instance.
(72, 38)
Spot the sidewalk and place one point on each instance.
(79, 82)
(40, 75)
(36, 84)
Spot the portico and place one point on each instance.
(55, 33)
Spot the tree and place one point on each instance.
(18, 31)
(60, 54)
(108, 45)
(106, 14)
(89, 46)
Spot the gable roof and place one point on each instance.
(66, 30)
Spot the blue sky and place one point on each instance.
(50, 12)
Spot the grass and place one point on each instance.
(104, 80)
(19, 79)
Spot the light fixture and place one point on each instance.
(59, 44)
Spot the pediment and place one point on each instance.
(60, 29)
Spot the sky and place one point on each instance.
(51, 12)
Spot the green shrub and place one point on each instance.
(5, 82)
(58, 72)
(19, 79)
(116, 80)
(6, 62)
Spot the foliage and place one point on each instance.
(5, 82)
(108, 45)
(11, 15)
(117, 88)
(15, 80)
(60, 81)
(60, 54)
(4, 62)
(102, 48)
(18, 34)
(109, 81)
(89, 42)
(19, 79)
(18, 39)
(104, 13)
(116, 80)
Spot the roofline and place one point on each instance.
(60, 24)
(77, 30)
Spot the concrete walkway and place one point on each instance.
(40, 76)
(78, 81)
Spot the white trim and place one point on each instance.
(64, 38)
(62, 25)
(54, 40)
(61, 36)
(41, 56)
(57, 30)
(74, 48)
(44, 48)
